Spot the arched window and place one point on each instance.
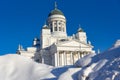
(59, 28)
(55, 28)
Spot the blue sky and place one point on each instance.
(22, 20)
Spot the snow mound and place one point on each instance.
(104, 66)
(85, 61)
(70, 74)
(16, 67)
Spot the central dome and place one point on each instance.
(55, 12)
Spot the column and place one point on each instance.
(56, 64)
(71, 57)
(64, 58)
(58, 60)
(53, 26)
(78, 55)
(57, 26)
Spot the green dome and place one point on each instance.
(55, 11)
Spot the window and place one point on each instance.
(59, 23)
(51, 29)
(55, 28)
(59, 28)
(50, 24)
(55, 24)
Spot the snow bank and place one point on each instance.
(104, 66)
(85, 61)
(70, 74)
(16, 67)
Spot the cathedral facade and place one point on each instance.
(55, 47)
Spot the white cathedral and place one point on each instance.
(54, 46)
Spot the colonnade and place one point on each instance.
(63, 58)
(58, 25)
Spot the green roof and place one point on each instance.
(55, 11)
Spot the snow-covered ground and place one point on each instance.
(104, 66)
(16, 67)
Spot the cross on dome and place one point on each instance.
(80, 29)
(55, 5)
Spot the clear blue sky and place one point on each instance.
(21, 21)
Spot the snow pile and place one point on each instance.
(85, 61)
(104, 66)
(16, 67)
(70, 74)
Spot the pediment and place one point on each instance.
(73, 43)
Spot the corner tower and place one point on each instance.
(57, 23)
(81, 35)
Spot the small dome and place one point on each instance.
(36, 39)
(45, 27)
(55, 11)
(80, 30)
